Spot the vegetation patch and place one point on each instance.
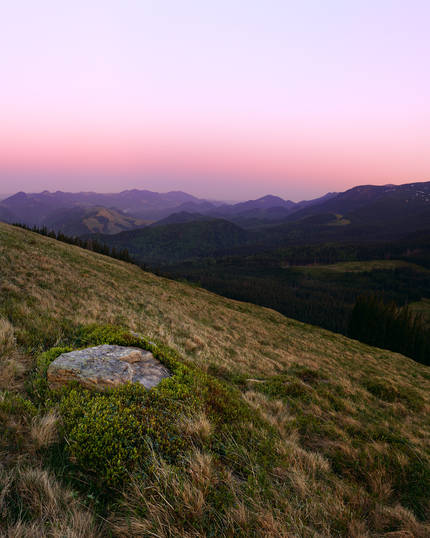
(112, 435)
(279, 435)
(391, 392)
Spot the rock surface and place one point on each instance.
(107, 366)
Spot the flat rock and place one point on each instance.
(105, 367)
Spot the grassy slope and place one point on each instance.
(354, 428)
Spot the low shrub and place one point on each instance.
(112, 434)
(103, 433)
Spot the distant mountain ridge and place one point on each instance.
(33, 208)
(77, 221)
(360, 214)
(44, 208)
(252, 213)
(364, 195)
(382, 210)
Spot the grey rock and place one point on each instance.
(107, 366)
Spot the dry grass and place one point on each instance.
(348, 440)
(43, 430)
(198, 428)
(13, 365)
(34, 505)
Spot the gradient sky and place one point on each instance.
(226, 99)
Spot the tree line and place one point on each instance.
(88, 244)
(391, 327)
(319, 297)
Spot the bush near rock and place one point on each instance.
(111, 435)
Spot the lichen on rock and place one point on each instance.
(107, 366)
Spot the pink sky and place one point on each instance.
(230, 99)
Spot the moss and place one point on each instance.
(315, 430)
(237, 378)
(307, 375)
(16, 413)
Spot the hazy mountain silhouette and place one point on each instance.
(83, 220)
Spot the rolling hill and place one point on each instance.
(179, 240)
(180, 217)
(78, 221)
(302, 432)
(406, 207)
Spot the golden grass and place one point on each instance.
(13, 365)
(329, 410)
(56, 512)
(43, 430)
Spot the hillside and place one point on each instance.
(306, 284)
(383, 211)
(180, 217)
(178, 241)
(306, 433)
(78, 221)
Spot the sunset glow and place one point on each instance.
(232, 100)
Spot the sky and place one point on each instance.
(226, 99)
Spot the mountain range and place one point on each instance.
(35, 208)
(361, 214)
(382, 211)
(44, 209)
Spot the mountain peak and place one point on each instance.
(270, 198)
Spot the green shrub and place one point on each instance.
(111, 434)
(14, 404)
(104, 434)
(96, 335)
